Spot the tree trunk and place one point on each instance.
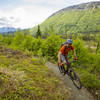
(97, 47)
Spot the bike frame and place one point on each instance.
(68, 63)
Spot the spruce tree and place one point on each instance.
(38, 34)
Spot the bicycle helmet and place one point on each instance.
(69, 41)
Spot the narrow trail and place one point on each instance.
(77, 94)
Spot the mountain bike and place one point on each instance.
(71, 73)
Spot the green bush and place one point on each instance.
(1, 39)
(82, 53)
(95, 63)
(36, 45)
(27, 43)
(90, 81)
(18, 39)
(51, 46)
(6, 40)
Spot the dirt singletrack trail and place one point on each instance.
(78, 94)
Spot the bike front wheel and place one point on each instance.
(61, 69)
(75, 79)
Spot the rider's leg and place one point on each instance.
(62, 60)
(67, 61)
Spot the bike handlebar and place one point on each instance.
(70, 62)
(73, 61)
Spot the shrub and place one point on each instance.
(82, 52)
(6, 40)
(51, 46)
(36, 45)
(27, 43)
(91, 82)
(18, 39)
(1, 39)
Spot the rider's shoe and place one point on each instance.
(67, 71)
(64, 73)
(61, 69)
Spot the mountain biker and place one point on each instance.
(63, 53)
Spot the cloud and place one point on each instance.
(4, 21)
(80, 1)
(26, 16)
(2, 24)
(32, 12)
(46, 1)
(57, 2)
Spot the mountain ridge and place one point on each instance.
(7, 29)
(82, 6)
(73, 21)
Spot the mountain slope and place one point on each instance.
(83, 6)
(83, 18)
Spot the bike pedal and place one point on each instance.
(64, 73)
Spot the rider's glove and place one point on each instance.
(60, 64)
(75, 58)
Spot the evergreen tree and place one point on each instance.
(38, 34)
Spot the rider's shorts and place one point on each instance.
(64, 58)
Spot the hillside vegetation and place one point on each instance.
(83, 18)
(88, 65)
(26, 78)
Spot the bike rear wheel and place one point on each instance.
(75, 79)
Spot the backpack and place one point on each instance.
(63, 44)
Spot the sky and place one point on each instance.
(29, 13)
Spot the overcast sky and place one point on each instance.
(28, 13)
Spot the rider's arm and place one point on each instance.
(74, 53)
(59, 54)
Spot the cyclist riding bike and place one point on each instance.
(63, 53)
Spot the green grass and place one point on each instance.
(25, 78)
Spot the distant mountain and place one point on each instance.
(7, 30)
(82, 18)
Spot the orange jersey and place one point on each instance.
(64, 50)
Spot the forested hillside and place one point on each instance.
(83, 18)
